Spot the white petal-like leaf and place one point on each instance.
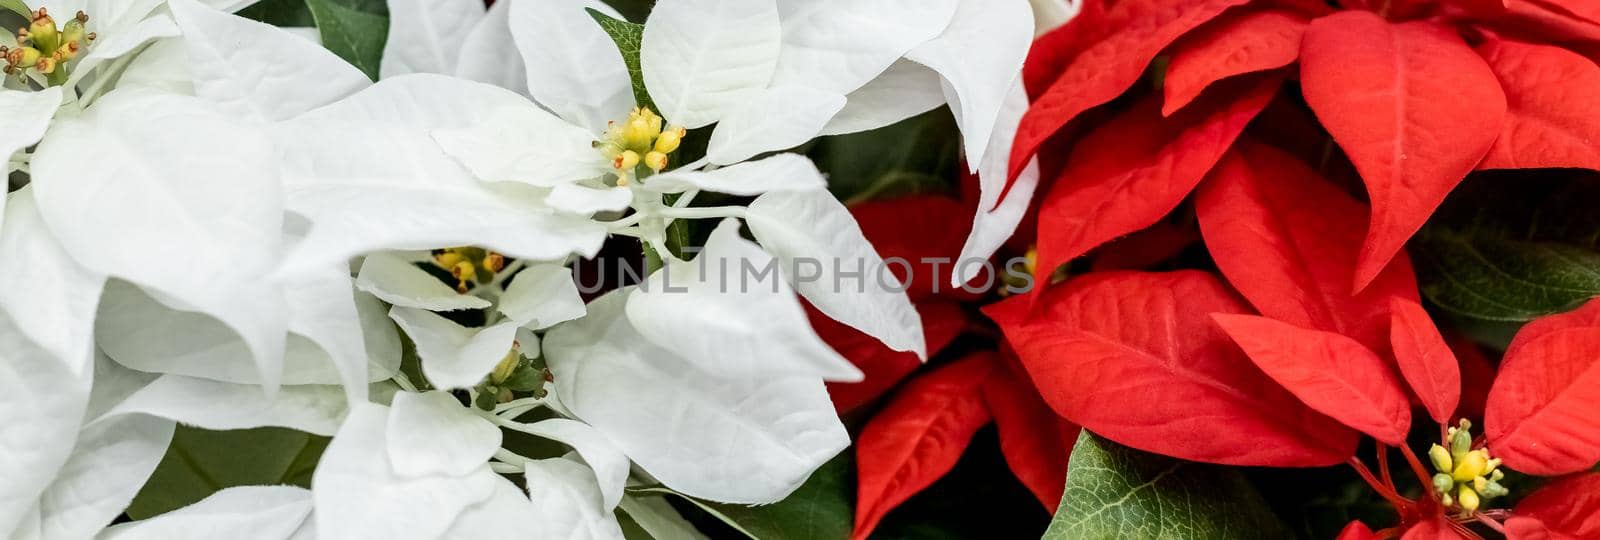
(142, 333)
(659, 519)
(178, 198)
(839, 45)
(524, 144)
(818, 242)
(993, 225)
(41, 405)
(904, 90)
(397, 281)
(256, 512)
(488, 54)
(323, 309)
(425, 35)
(49, 297)
(782, 172)
(507, 509)
(586, 201)
(541, 296)
(609, 463)
(362, 497)
(454, 356)
(222, 406)
(111, 462)
(574, 69)
(257, 69)
(567, 503)
(729, 312)
(433, 434)
(702, 58)
(369, 176)
(774, 119)
(24, 117)
(980, 56)
(739, 440)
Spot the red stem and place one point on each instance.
(1417, 468)
(1400, 503)
(1489, 522)
(1383, 467)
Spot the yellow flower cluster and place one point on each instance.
(639, 140)
(469, 265)
(44, 47)
(1466, 477)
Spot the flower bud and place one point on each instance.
(46, 65)
(494, 262)
(1467, 498)
(1475, 464)
(1441, 459)
(670, 139)
(1461, 440)
(23, 57)
(626, 161)
(655, 161)
(464, 273)
(506, 367)
(1443, 483)
(640, 131)
(42, 31)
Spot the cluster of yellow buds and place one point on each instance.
(1466, 477)
(469, 265)
(639, 140)
(44, 47)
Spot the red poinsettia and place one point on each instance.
(926, 424)
(1288, 368)
(1417, 93)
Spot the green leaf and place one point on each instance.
(1513, 246)
(820, 510)
(288, 13)
(201, 462)
(628, 36)
(1118, 492)
(17, 7)
(353, 29)
(917, 155)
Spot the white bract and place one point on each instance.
(227, 226)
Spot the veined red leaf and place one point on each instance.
(1137, 167)
(1332, 373)
(1287, 240)
(1551, 95)
(1356, 530)
(883, 367)
(1411, 104)
(1570, 507)
(1134, 32)
(1035, 442)
(1523, 528)
(1586, 316)
(918, 437)
(1235, 44)
(1540, 417)
(1536, 21)
(913, 228)
(1434, 528)
(1425, 359)
(1135, 358)
(1051, 52)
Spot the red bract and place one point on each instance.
(1356, 530)
(1136, 168)
(1115, 45)
(1333, 374)
(913, 228)
(1411, 104)
(1036, 443)
(918, 437)
(884, 367)
(1403, 94)
(1234, 44)
(1567, 508)
(1287, 240)
(1541, 414)
(1425, 360)
(1135, 358)
(1552, 104)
